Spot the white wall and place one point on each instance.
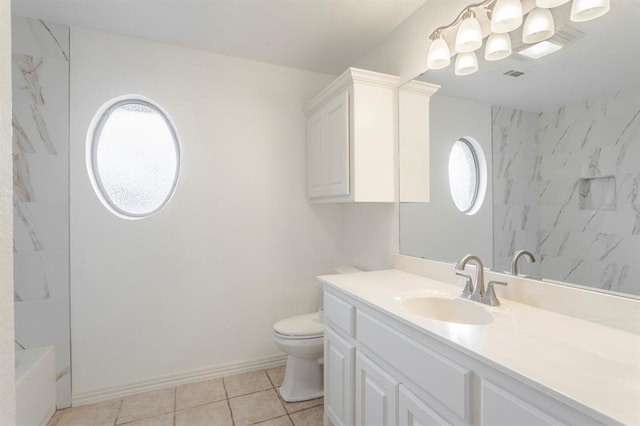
(7, 366)
(369, 234)
(201, 283)
(438, 230)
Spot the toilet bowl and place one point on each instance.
(302, 338)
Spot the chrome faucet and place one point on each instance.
(516, 256)
(477, 293)
(469, 291)
(489, 297)
(468, 286)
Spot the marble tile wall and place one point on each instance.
(586, 172)
(40, 80)
(515, 186)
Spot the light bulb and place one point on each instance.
(439, 56)
(469, 36)
(506, 16)
(538, 26)
(466, 63)
(586, 10)
(498, 47)
(548, 4)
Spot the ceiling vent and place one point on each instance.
(514, 73)
(565, 35)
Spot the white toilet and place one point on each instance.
(302, 338)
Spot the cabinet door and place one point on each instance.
(500, 407)
(338, 379)
(337, 143)
(315, 155)
(376, 394)
(414, 412)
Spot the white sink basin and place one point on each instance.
(459, 311)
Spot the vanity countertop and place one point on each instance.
(594, 365)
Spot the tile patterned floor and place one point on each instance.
(244, 399)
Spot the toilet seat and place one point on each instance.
(307, 326)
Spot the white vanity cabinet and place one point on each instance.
(414, 412)
(339, 360)
(351, 139)
(376, 394)
(381, 371)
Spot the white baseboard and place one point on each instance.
(191, 376)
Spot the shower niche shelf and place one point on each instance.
(598, 193)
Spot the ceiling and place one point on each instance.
(317, 35)
(605, 59)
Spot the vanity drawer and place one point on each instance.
(339, 313)
(444, 380)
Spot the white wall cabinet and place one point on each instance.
(351, 139)
(379, 371)
(328, 149)
(413, 102)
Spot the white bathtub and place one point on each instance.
(35, 386)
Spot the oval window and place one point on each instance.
(467, 175)
(133, 156)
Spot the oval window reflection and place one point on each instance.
(464, 175)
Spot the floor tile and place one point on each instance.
(215, 414)
(276, 375)
(256, 407)
(293, 407)
(53, 421)
(164, 420)
(193, 394)
(102, 413)
(246, 383)
(149, 404)
(310, 417)
(280, 421)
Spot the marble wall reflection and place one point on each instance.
(40, 78)
(515, 186)
(569, 191)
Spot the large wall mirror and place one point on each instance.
(561, 141)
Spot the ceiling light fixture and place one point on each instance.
(548, 4)
(466, 63)
(586, 10)
(538, 26)
(469, 35)
(506, 16)
(498, 47)
(439, 56)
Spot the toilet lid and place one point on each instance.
(301, 325)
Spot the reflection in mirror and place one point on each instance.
(562, 138)
(463, 175)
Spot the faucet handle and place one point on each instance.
(468, 286)
(489, 297)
